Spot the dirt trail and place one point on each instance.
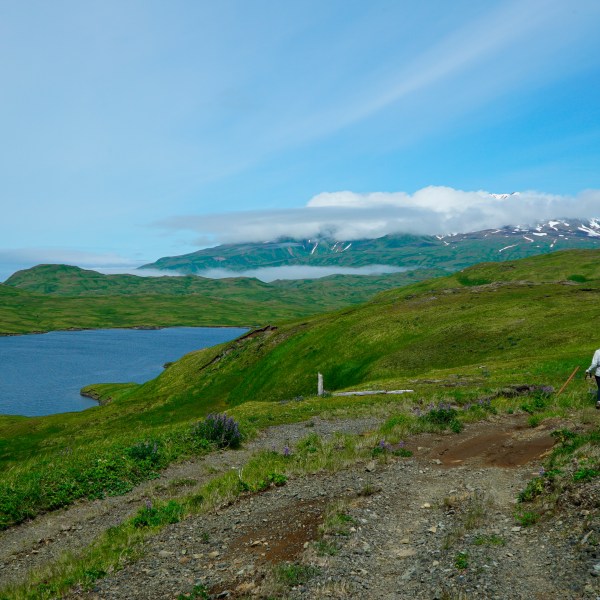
(45, 538)
(408, 522)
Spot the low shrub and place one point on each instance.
(384, 448)
(585, 474)
(151, 516)
(221, 430)
(527, 518)
(145, 451)
(441, 416)
(293, 574)
(461, 561)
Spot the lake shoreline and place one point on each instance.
(46, 374)
(133, 327)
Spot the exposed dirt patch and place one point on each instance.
(505, 443)
(282, 539)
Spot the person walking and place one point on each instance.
(595, 368)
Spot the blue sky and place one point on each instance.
(133, 130)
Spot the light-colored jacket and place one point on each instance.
(595, 363)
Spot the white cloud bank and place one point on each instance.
(350, 216)
(269, 274)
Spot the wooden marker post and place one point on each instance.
(568, 381)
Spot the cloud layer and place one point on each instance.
(300, 272)
(350, 216)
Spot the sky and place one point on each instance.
(140, 129)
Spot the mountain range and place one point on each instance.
(448, 252)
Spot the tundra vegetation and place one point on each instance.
(492, 339)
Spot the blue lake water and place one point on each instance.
(42, 374)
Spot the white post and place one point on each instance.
(320, 390)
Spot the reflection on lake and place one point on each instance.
(42, 374)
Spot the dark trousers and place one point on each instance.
(598, 384)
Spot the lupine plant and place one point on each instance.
(220, 429)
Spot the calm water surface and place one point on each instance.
(42, 374)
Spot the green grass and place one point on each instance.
(489, 540)
(459, 344)
(574, 461)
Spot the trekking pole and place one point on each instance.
(568, 381)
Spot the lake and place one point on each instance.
(42, 374)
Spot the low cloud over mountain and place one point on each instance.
(350, 216)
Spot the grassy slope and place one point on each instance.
(442, 324)
(62, 297)
(532, 327)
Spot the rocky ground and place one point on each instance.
(439, 524)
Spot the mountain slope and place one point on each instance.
(450, 252)
(530, 309)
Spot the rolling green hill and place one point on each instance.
(49, 297)
(525, 311)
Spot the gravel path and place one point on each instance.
(439, 525)
(45, 538)
(414, 528)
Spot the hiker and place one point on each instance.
(595, 368)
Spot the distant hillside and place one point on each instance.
(61, 297)
(450, 252)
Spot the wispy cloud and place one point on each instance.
(351, 216)
(65, 256)
(506, 48)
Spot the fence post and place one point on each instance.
(320, 390)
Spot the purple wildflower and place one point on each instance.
(286, 451)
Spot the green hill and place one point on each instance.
(526, 311)
(49, 297)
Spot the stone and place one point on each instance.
(213, 554)
(426, 505)
(245, 587)
(370, 466)
(404, 552)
